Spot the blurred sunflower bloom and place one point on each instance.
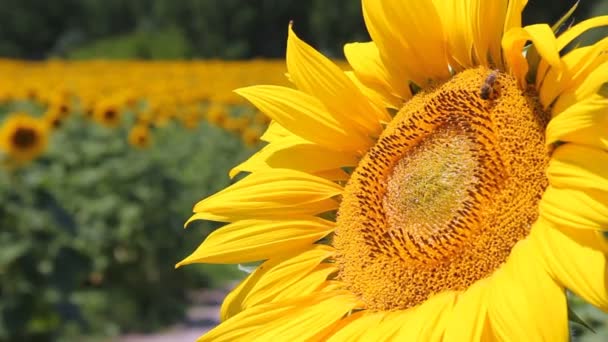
(54, 117)
(449, 188)
(139, 136)
(217, 114)
(23, 137)
(236, 125)
(250, 136)
(107, 114)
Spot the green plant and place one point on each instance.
(90, 232)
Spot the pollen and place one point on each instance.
(439, 201)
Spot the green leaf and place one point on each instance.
(573, 317)
(558, 24)
(10, 253)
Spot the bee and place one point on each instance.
(487, 88)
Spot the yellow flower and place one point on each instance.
(139, 136)
(250, 136)
(54, 117)
(108, 114)
(235, 125)
(217, 114)
(23, 137)
(449, 188)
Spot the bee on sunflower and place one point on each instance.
(450, 187)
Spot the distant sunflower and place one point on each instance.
(250, 136)
(54, 117)
(236, 125)
(217, 114)
(23, 137)
(108, 114)
(449, 188)
(139, 136)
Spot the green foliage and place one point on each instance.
(166, 44)
(91, 231)
(227, 29)
(591, 324)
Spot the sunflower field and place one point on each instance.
(365, 170)
(100, 164)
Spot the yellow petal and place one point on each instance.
(311, 321)
(425, 322)
(457, 22)
(574, 208)
(333, 175)
(316, 75)
(488, 18)
(545, 42)
(543, 39)
(575, 259)
(244, 325)
(365, 60)
(302, 260)
(272, 193)
(256, 162)
(578, 167)
(273, 280)
(232, 304)
(376, 98)
(432, 317)
(585, 88)
(418, 52)
(253, 240)
(315, 281)
(512, 43)
(306, 117)
(297, 320)
(468, 320)
(568, 36)
(514, 11)
(583, 123)
(356, 326)
(577, 64)
(275, 131)
(296, 154)
(524, 302)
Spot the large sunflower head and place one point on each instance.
(23, 137)
(452, 186)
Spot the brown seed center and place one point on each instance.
(24, 138)
(448, 189)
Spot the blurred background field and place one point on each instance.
(116, 117)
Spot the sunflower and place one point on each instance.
(451, 187)
(108, 114)
(23, 137)
(54, 117)
(250, 136)
(139, 136)
(217, 114)
(236, 125)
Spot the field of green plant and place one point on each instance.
(92, 229)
